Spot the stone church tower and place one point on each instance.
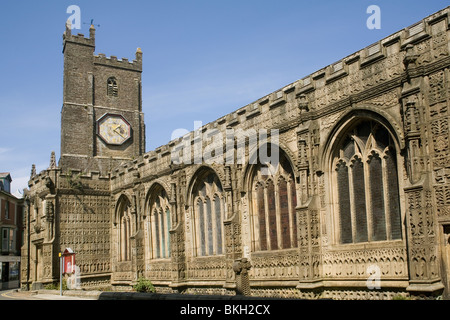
(102, 126)
(102, 123)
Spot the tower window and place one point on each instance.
(112, 88)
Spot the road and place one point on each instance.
(10, 295)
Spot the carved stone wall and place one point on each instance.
(85, 228)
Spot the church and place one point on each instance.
(356, 205)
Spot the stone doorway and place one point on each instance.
(38, 269)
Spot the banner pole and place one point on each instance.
(60, 274)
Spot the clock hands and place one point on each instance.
(119, 131)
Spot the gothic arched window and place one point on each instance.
(160, 224)
(112, 87)
(124, 224)
(208, 206)
(366, 185)
(273, 202)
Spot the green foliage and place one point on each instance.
(74, 181)
(144, 285)
(56, 286)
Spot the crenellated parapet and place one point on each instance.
(124, 63)
(79, 38)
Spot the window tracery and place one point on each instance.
(208, 205)
(160, 224)
(273, 202)
(367, 190)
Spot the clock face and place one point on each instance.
(114, 129)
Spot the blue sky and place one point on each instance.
(202, 58)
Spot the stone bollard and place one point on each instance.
(241, 267)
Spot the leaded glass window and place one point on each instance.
(112, 87)
(366, 185)
(160, 224)
(208, 208)
(273, 202)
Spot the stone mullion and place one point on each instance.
(162, 245)
(266, 212)
(198, 229)
(214, 223)
(291, 213)
(387, 205)
(163, 232)
(352, 202)
(123, 242)
(223, 204)
(255, 234)
(128, 237)
(155, 235)
(198, 232)
(166, 231)
(119, 236)
(150, 235)
(369, 201)
(278, 213)
(205, 227)
(193, 212)
(158, 233)
(168, 228)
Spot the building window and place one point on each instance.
(5, 240)
(273, 200)
(112, 87)
(160, 224)
(124, 230)
(6, 210)
(367, 190)
(208, 206)
(8, 240)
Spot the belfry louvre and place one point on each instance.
(361, 190)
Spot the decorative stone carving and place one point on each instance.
(241, 267)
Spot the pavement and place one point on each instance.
(49, 295)
(18, 294)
